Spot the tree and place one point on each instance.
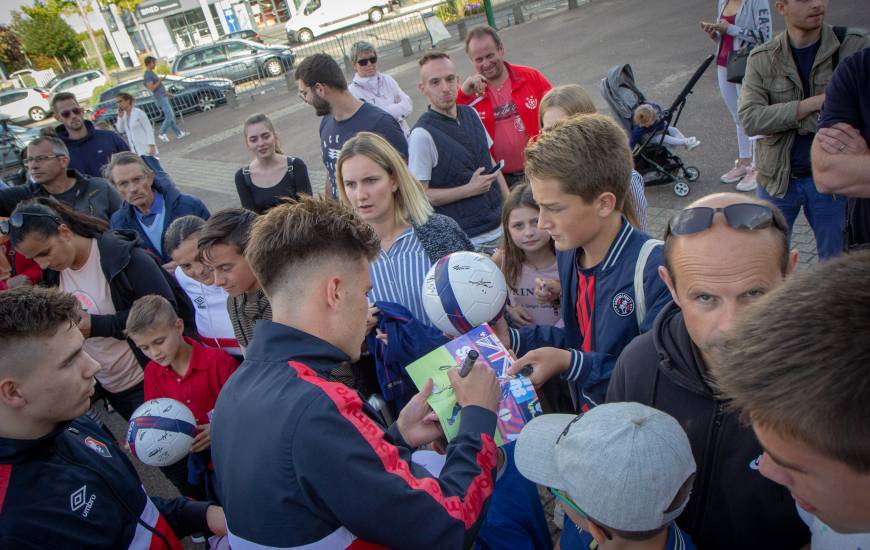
(11, 53)
(44, 33)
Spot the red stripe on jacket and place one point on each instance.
(5, 476)
(350, 406)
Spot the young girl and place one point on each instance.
(528, 261)
(271, 176)
(647, 120)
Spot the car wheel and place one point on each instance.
(376, 15)
(206, 103)
(273, 67)
(36, 114)
(305, 36)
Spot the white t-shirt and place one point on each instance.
(825, 538)
(119, 369)
(423, 155)
(212, 319)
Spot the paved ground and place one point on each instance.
(661, 40)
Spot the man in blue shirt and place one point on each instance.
(148, 208)
(89, 148)
(323, 86)
(155, 84)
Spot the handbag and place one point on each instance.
(735, 65)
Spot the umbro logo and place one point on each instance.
(79, 500)
(755, 464)
(200, 302)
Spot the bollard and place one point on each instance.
(573, 4)
(519, 18)
(463, 30)
(232, 98)
(291, 84)
(407, 50)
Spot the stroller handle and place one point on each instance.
(687, 89)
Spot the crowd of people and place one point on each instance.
(697, 393)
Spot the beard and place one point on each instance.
(321, 107)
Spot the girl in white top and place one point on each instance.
(528, 261)
(377, 88)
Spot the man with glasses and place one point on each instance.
(622, 472)
(48, 164)
(89, 147)
(722, 253)
(323, 86)
(149, 208)
(379, 89)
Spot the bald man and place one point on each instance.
(721, 253)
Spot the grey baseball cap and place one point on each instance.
(621, 463)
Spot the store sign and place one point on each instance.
(157, 8)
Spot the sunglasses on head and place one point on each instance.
(68, 112)
(364, 62)
(748, 216)
(16, 220)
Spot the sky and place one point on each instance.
(6, 7)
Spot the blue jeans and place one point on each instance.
(168, 116)
(826, 214)
(160, 175)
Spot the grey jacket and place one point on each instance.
(769, 100)
(752, 25)
(94, 196)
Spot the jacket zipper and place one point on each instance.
(709, 454)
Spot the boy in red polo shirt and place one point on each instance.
(182, 369)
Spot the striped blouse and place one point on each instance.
(397, 274)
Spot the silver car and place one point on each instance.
(239, 60)
(25, 104)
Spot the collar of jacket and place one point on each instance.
(278, 343)
(829, 45)
(615, 250)
(678, 357)
(63, 134)
(516, 77)
(170, 196)
(16, 451)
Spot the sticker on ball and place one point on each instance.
(463, 290)
(161, 432)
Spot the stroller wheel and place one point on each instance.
(691, 173)
(681, 187)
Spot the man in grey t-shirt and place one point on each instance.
(155, 84)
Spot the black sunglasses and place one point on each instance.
(74, 111)
(363, 62)
(17, 220)
(749, 216)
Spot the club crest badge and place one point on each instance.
(623, 304)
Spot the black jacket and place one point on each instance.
(75, 488)
(732, 504)
(93, 196)
(132, 273)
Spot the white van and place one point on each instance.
(318, 17)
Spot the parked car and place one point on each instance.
(188, 94)
(13, 143)
(246, 34)
(318, 17)
(239, 60)
(25, 104)
(80, 83)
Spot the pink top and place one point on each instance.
(524, 295)
(726, 44)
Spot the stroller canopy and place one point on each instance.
(621, 94)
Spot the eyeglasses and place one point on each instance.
(363, 62)
(749, 216)
(74, 111)
(40, 159)
(17, 220)
(566, 500)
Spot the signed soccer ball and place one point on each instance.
(463, 290)
(161, 431)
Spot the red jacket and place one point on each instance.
(528, 85)
(20, 264)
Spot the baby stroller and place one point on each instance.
(657, 163)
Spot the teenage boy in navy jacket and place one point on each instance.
(611, 291)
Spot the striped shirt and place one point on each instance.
(640, 204)
(398, 273)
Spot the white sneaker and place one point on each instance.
(164, 138)
(183, 134)
(692, 142)
(748, 183)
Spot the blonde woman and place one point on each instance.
(375, 183)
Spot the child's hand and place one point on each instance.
(547, 291)
(519, 315)
(372, 319)
(202, 440)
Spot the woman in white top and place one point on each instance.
(136, 126)
(377, 88)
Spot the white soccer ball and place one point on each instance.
(161, 431)
(463, 290)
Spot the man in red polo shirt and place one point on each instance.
(506, 97)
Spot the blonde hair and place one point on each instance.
(410, 204)
(571, 98)
(587, 154)
(645, 115)
(150, 312)
(260, 118)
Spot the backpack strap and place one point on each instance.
(290, 165)
(840, 33)
(639, 295)
(246, 173)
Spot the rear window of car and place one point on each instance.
(12, 97)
